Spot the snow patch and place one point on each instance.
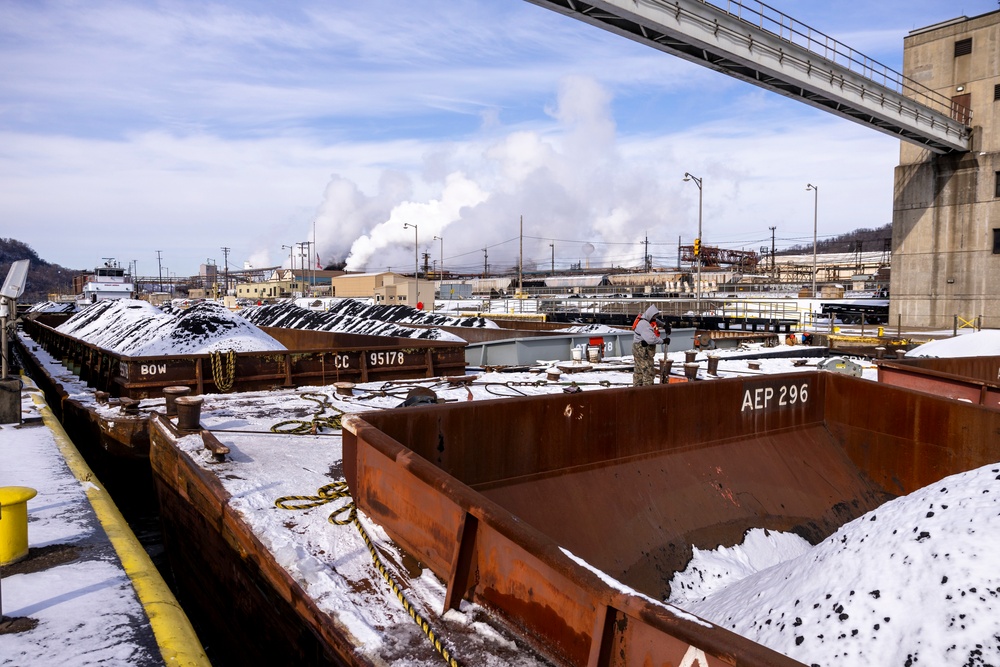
(984, 343)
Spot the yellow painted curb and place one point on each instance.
(178, 642)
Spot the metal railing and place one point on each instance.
(787, 29)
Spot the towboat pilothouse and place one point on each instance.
(109, 281)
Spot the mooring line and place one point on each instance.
(336, 491)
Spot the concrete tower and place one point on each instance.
(946, 211)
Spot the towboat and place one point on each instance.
(109, 281)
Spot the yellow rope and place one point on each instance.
(314, 425)
(336, 491)
(223, 380)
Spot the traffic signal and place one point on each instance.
(697, 247)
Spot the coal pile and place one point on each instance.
(356, 319)
(52, 307)
(137, 329)
(406, 315)
(913, 582)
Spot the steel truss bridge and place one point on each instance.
(758, 44)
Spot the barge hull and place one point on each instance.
(216, 558)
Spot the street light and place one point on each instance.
(441, 263)
(815, 189)
(416, 263)
(416, 243)
(697, 181)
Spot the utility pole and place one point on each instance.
(646, 261)
(520, 261)
(486, 267)
(159, 268)
(303, 256)
(772, 252)
(225, 251)
(815, 189)
(552, 247)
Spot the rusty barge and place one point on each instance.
(526, 506)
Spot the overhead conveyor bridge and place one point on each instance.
(758, 44)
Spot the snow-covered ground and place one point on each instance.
(86, 608)
(985, 343)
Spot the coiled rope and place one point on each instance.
(318, 421)
(336, 491)
(223, 379)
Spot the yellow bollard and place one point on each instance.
(14, 522)
(881, 332)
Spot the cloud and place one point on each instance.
(577, 181)
(183, 127)
(565, 180)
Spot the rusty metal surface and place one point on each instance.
(703, 338)
(489, 493)
(336, 357)
(905, 440)
(959, 387)
(984, 369)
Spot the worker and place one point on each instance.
(648, 332)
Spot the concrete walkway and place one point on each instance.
(87, 593)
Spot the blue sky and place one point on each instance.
(185, 127)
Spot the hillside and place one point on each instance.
(871, 240)
(44, 278)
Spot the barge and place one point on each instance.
(112, 415)
(491, 506)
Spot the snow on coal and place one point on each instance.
(913, 582)
(137, 329)
(290, 316)
(406, 315)
(52, 307)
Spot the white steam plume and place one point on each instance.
(570, 183)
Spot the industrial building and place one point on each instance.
(946, 211)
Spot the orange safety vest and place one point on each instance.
(656, 329)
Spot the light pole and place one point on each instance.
(697, 255)
(303, 256)
(416, 263)
(815, 189)
(159, 267)
(441, 263)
